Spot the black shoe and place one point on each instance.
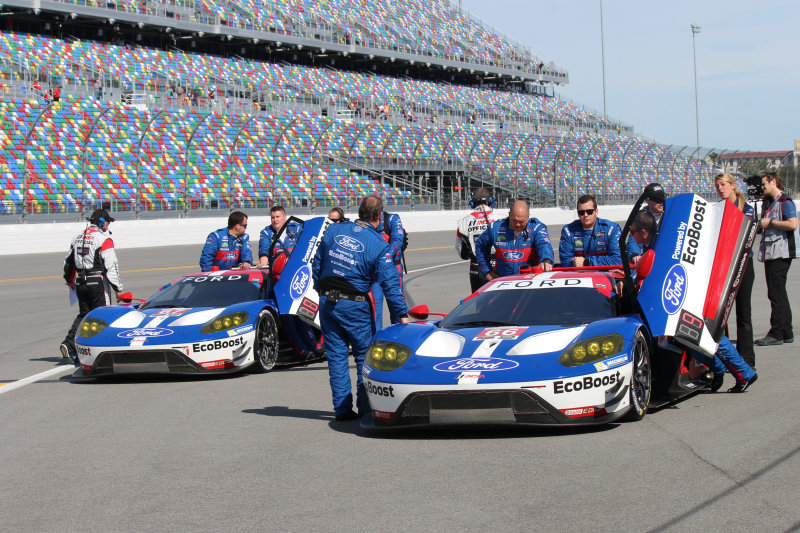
(790, 340)
(769, 340)
(741, 387)
(716, 382)
(349, 415)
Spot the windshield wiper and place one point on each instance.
(478, 323)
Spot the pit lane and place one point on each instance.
(262, 452)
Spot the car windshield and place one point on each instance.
(205, 291)
(531, 307)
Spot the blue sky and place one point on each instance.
(748, 64)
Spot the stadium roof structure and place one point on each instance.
(349, 36)
(757, 155)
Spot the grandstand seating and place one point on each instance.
(83, 152)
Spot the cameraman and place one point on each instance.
(779, 245)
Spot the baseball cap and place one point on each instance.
(100, 213)
(655, 193)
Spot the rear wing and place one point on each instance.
(700, 255)
(294, 291)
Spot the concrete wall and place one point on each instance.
(55, 237)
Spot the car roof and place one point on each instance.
(601, 280)
(251, 275)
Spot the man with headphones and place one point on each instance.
(470, 228)
(91, 269)
(518, 241)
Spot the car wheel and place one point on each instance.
(266, 344)
(641, 382)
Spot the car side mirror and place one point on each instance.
(420, 312)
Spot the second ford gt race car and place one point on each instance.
(207, 322)
(572, 346)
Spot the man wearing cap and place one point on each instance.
(470, 228)
(228, 247)
(590, 240)
(91, 269)
(656, 200)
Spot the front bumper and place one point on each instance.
(157, 361)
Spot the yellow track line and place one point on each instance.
(186, 267)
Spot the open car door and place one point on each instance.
(700, 256)
(294, 291)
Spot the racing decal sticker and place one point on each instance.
(673, 292)
(501, 333)
(300, 282)
(308, 309)
(611, 363)
(486, 348)
(513, 255)
(379, 390)
(469, 378)
(349, 243)
(138, 341)
(144, 333)
(202, 279)
(585, 383)
(489, 364)
(539, 283)
(240, 330)
(218, 344)
(83, 350)
(690, 327)
(170, 312)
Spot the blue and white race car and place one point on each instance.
(572, 346)
(208, 322)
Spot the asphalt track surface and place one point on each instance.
(262, 452)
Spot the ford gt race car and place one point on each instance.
(572, 346)
(210, 322)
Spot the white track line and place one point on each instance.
(437, 266)
(36, 377)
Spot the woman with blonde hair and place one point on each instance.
(727, 189)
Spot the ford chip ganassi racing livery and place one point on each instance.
(575, 345)
(211, 322)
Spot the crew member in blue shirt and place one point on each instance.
(391, 229)
(518, 241)
(228, 247)
(589, 241)
(350, 258)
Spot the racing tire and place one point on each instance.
(641, 380)
(266, 345)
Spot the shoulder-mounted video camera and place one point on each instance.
(754, 191)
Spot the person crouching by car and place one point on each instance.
(91, 269)
(780, 243)
(589, 240)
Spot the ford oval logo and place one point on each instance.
(144, 332)
(674, 291)
(300, 282)
(513, 256)
(349, 243)
(488, 364)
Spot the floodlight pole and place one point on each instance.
(603, 59)
(695, 31)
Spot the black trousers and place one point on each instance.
(91, 294)
(744, 321)
(780, 319)
(476, 281)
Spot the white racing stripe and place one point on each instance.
(60, 369)
(437, 266)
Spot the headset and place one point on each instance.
(474, 202)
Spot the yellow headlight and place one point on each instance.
(591, 350)
(385, 355)
(91, 327)
(580, 352)
(221, 323)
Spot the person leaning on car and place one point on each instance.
(350, 257)
(589, 240)
(518, 241)
(91, 269)
(228, 247)
(779, 245)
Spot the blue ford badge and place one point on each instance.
(349, 243)
(488, 364)
(674, 291)
(144, 332)
(300, 282)
(513, 256)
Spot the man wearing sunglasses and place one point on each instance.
(590, 240)
(228, 247)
